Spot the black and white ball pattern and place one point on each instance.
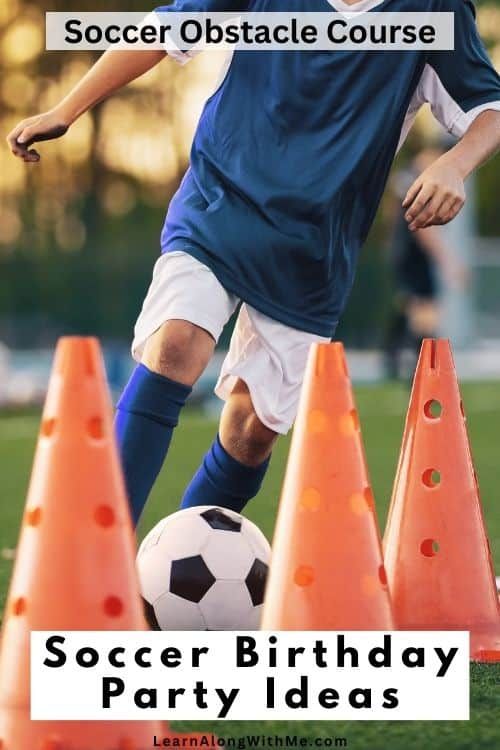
(204, 568)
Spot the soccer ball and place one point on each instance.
(203, 568)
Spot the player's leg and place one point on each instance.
(175, 336)
(241, 431)
(233, 469)
(148, 410)
(423, 321)
(260, 382)
(396, 338)
(178, 350)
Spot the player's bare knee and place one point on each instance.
(176, 351)
(257, 440)
(243, 434)
(179, 350)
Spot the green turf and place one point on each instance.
(382, 411)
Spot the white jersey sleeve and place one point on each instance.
(193, 6)
(458, 84)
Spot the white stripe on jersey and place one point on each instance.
(444, 108)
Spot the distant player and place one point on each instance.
(418, 260)
(287, 168)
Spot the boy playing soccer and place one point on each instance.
(287, 168)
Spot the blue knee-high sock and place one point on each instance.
(224, 481)
(147, 412)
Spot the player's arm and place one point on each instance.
(438, 194)
(114, 69)
(463, 89)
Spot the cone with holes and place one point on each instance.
(75, 561)
(327, 571)
(436, 549)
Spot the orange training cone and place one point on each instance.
(75, 563)
(327, 571)
(436, 550)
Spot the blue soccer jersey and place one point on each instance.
(292, 153)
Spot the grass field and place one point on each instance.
(382, 411)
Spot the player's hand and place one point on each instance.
(436, 196)
(42, 127)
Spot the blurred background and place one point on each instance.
(79, 232)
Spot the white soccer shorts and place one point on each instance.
(268, 356)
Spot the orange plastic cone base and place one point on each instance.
(327, 571)
(76, 735)
(436, 550)
(75, 567)
(88, 735)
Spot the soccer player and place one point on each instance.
(287, 168)
(418, 261)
